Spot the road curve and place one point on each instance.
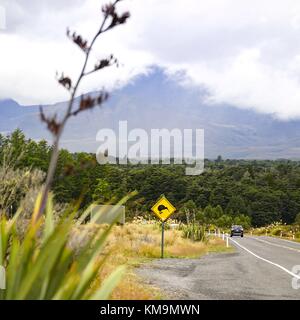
(260, 268)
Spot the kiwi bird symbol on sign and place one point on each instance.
(163, 208)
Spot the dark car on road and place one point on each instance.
(237, 231)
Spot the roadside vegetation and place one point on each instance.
(41, 263)
(139, 242)
(278, 229)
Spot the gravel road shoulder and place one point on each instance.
(174, 277)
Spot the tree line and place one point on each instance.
(249, 192)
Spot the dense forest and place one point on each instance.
(229, 191)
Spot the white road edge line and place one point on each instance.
(276, 245)
(266, 260)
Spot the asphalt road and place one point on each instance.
(259, 268)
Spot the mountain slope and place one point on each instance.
(156, 101)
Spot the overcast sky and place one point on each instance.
(245, 53)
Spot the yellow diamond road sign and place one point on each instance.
(163, 208)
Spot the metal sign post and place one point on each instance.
(163, 209)
(162, 239)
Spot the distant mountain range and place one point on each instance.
(158, 101)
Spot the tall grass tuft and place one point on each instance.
(194, 231)
(42, 265)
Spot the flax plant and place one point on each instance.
(42, 266)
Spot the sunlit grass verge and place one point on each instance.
(42, 264)
(135, 244)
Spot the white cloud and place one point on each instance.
(246, 53)
(36, 48)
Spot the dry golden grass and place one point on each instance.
(134, 244)
(132, 287)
